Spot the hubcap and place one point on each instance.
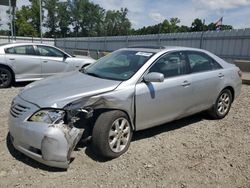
(3, 77)
(223, 104)
(119, 135)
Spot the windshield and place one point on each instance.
(119, 65)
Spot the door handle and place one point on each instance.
(221, 75)
(11, 59)
(45, 61)
(186, 83)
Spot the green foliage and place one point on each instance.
(116, 23)
(83, 18)
(172, 26)
(52, 18)
(24, 24)
(64, 20)
(35, 15)
(197, 25)
(87, 18)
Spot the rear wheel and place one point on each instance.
(5, 77)
(222, 105)
(111, 134)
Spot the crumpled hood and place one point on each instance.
(57, 91)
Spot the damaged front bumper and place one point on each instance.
(49, 144)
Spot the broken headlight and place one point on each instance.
(50, 116)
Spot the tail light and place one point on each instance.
(240, 73)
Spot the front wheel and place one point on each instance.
(112, 134)
(222, 105)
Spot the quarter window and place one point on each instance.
(170, 65)
(49, 51)
(200, 62)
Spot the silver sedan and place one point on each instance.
(129, 90)
(30, 61)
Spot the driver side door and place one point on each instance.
(157, 103)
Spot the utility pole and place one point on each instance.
(41, 20)
(11, 20)
(202, 33)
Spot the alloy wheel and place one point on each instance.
(119, 135)
(223, 104)
(4, 79)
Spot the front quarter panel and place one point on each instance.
(77, 63)
(122, 99)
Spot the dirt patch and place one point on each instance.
(192, 152)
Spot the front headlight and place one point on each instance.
(50, 116)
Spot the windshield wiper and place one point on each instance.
(92, 74)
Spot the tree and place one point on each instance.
(210, 27)
(93, 19)
(24, 26)
(173, 24)
(117, 23)
(183, 28)
(226, 27)
(87, 18)
(197, 25)
(64, 19)
(51, 22)
(35, 15)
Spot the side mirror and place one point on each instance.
(154, 77)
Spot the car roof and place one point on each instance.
(21, 43)
(156, 49)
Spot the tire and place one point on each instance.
(5, 77)
(111, 134)
(222, 105)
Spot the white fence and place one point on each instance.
(230, 45)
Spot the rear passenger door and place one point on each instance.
(25, 62)
(207, 78)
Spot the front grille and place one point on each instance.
(17, 110)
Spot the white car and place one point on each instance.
(31, 61)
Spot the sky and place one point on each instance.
(148, 12)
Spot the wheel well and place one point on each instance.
(11, 71)
(231, 90)
(97, 112)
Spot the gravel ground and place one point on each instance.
(192, 152)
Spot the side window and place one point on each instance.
(9, 50)
(49, 51)
(170, 65)
(21, 50)
(200, 62)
